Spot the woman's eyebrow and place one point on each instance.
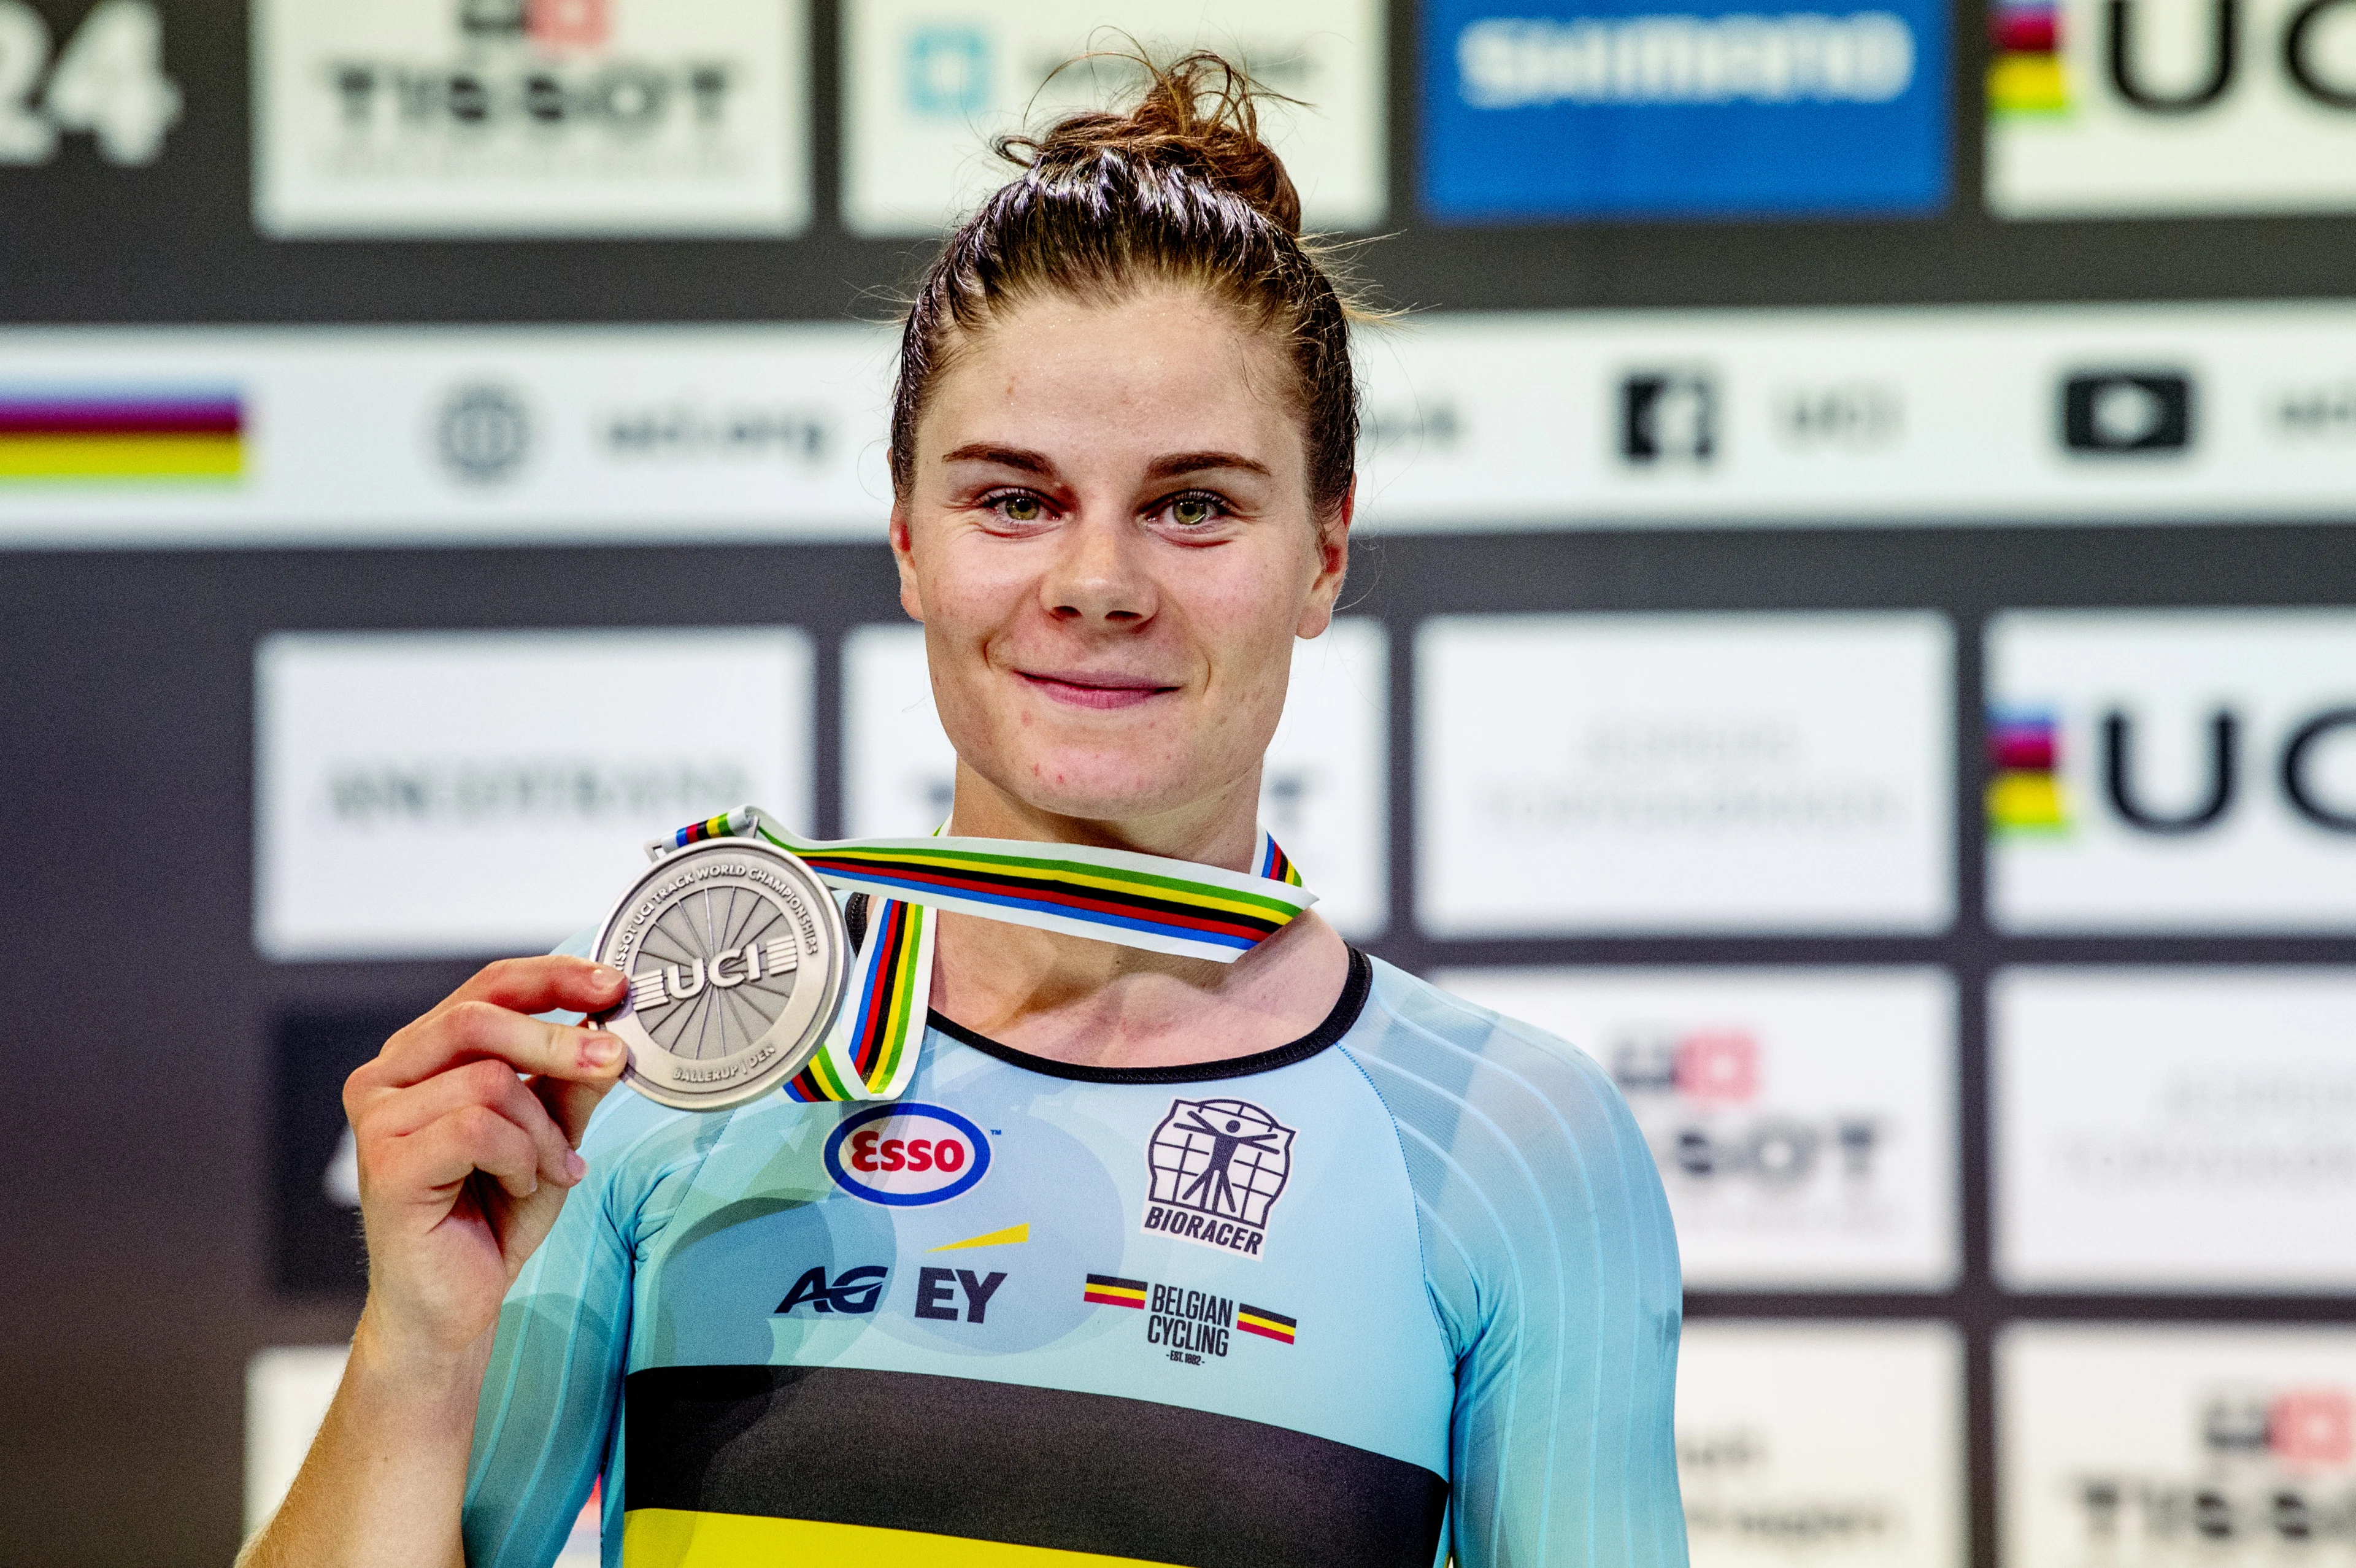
(1012, 458)
(1178, 463)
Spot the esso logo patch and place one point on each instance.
(906, 1154)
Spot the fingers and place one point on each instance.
(542, 984)
(489, 1083)
(474, 1029)
(439, 1155)
(570, 1103)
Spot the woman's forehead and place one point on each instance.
(1169, 369)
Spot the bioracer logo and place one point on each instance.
(1217, 1168)
(906, 1154)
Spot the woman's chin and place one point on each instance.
(1062, 787)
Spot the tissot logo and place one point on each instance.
(2115, 412)
(1711, 1070)
(1668, 416)
(2277, 1471)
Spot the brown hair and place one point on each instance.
(1179, 190)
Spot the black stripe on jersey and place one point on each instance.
(1031, 1467)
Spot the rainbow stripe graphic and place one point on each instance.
(1268, 1324)
(2024, 792)
(120, 437)
(2025, 70)
(883, 1016)
(1081, 891)
(1105, 1290)
(1108, 895)
(1276, 865)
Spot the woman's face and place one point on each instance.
(1106, 533)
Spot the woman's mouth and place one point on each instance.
(1079, 688)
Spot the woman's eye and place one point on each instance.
(1193, 511)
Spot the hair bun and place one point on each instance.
(1199, 113)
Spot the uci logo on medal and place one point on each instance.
(906, 1154)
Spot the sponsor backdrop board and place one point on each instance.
(926, 84)
(1983, 417)
(1804, 1120)
(358, 435)
(1599, 773)
(434, 118)
(1323, 793)
(2145, 1446)
(2162, 1130)
(420, 794)
(1588, 108)
(1827, 1446)
(2173, 771)
(2118, 107)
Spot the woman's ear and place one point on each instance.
(1333, 547)
(903, 556)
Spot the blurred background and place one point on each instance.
(1851, 626)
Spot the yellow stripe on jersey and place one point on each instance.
(675, 1537)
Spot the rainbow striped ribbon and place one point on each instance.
(1110, 895)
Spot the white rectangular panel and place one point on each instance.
(1804, 1120)
(1980, 415)
(2136, 1448)
(397, 119)
(2175, 1129)
(460, 435)
(1588, 774)
(926, 84)
(2177, 107)
(426, 792)
(2173, 771)
(1325, 793)
(1836, 1446)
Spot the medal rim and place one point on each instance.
(789, 1064)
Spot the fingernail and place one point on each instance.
(606, 974)
(574, 1165)
(600, 1050)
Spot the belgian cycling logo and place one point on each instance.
(1218, 1168)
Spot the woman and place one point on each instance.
(1293, 1261)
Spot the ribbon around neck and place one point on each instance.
(1109, 895)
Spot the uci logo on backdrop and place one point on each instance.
(1551, 109)
(2192, 770)
(2172, 106)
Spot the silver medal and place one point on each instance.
(737, 961)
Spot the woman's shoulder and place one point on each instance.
(1466, 1076)
(1409, 1017)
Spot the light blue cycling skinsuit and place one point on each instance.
(1402, 1289)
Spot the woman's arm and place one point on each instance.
(466, 1125)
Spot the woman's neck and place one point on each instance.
(1101, 1005)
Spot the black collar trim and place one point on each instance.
(1337, 1023)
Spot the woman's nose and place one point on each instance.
(1099, 573)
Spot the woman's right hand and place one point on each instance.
(467, 1124)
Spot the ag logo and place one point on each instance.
(906, 1154)
(854, 1290)
(1216, 1166)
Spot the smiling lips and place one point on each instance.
(1079, 688)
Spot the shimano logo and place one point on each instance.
(1801, 58)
